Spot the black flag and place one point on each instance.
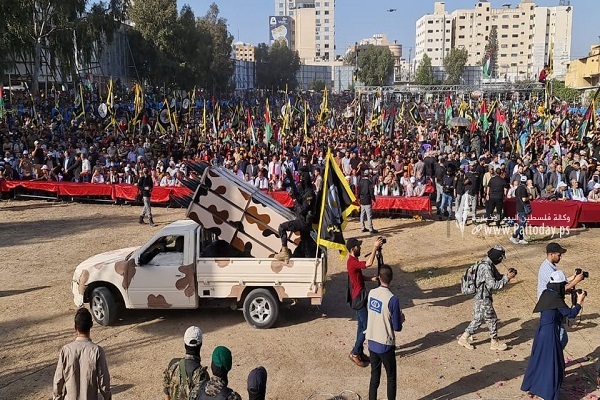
(336, 205)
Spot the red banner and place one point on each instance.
(386, 203)
(548, 213)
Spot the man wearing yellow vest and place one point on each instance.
(384, 318)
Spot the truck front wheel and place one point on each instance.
(261, 309)
(103, 306)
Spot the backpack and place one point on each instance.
(468, 282)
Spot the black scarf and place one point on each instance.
(552, 298)
(219, 372)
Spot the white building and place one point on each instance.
(433, 35)
(321, 31)
(526, 33)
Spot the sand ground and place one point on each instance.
(307, 351)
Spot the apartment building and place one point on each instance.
(312, 24)
(434, 35)
(584, 72)
(243, 51)
(526, 34)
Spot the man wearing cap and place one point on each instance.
(184, 374)
(415, 188)
(366, 196)
(487, 280)
(554, 252)
(523, 210)
(216, 387)
(594, 195)
(357, 294)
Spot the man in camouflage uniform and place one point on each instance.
(216, 388)
(488, 279)
(184, 374)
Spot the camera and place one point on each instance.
(383, 240)
(579, 271)
(580, 291)
(513, 270)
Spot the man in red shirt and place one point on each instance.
(358, 295)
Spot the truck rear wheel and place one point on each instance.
(261, 309)
(103, 306)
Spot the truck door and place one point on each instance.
(165, 274)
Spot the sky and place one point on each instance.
(359, 19)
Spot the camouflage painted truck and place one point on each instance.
(221, 256)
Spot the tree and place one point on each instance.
(176, 48)
(491, 48)
(221, 66)
(560, 90)
(375, 65)
(276, 66)
(454, 63)
(424, 73)
(317, 85)
(72, 32)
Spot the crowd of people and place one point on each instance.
(416, 153)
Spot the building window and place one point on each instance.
(326, 12)
(504, 26)
(515, 45)
(326, 29)
(430, 22)
(326, 45)
(280, 12)
(326, 37)
(461, 36)
(317, 21)
(326, 4)
(504, 45)
(516, 26)
(280, 5)
(326, 20)
(291, 12)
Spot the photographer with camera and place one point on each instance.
(546, 367)
(487, 279)
(357, 293)
(554, 252)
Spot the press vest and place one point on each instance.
(379, 322)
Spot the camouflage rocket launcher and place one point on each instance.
(236, 212)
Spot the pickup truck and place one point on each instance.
(222, 256)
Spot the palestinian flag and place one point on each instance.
(483, 111)
(588, 124)
(337, 203)
(487, 66)
(268, 122)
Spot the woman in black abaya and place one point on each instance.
(546, 367)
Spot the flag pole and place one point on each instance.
(323, 197)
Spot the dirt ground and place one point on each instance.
(307, 351)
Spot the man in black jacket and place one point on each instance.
(366, 196)
(145, 186)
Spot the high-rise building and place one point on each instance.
(313, 23)
(433, 35)
(527, 34)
